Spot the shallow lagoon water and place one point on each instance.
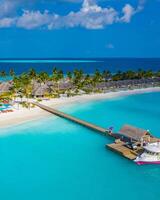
(55, 159)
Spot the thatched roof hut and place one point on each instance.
(40, 90)
(66, 86)
(132, 82)
(5, 87)
(133, 132)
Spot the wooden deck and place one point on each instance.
(123, 150)
(73, 119)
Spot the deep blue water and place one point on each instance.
(55, 159)
(88, 65)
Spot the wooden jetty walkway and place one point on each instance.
(119, 146)
(71, 118)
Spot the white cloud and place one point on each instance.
(90, 16)
(128, 12)
(7, 22)
(31, 20)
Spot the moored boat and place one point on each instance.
(150, 155)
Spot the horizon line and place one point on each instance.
(78, 58)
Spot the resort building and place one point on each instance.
(132, 133)
(5, 87)
(41, 89)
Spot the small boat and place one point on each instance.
(150, 155)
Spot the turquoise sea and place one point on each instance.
(54, 159)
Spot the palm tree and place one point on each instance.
(32, 73)
(69, 75)
(78, 77)
(87, 79)
(60, 75)
(129, 75)
(158, 74)
(140, 73)
(18, 86)
(3, 74)
(106, 74)
(23, 84)
(43, 77)
(11, 72)
(149, 74)
(117, 76)
(55, 74)
(97, 77)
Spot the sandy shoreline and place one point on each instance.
(23, 115)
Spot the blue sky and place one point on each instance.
(79, 28)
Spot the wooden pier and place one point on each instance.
(73, 119)
(121, 149)
(119, 146)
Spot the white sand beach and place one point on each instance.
(22, 115)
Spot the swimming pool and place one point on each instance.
(4, 106)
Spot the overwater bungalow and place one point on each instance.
(134, 134)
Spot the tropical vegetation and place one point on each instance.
(23, 85)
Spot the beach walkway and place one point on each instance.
(71, 118)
